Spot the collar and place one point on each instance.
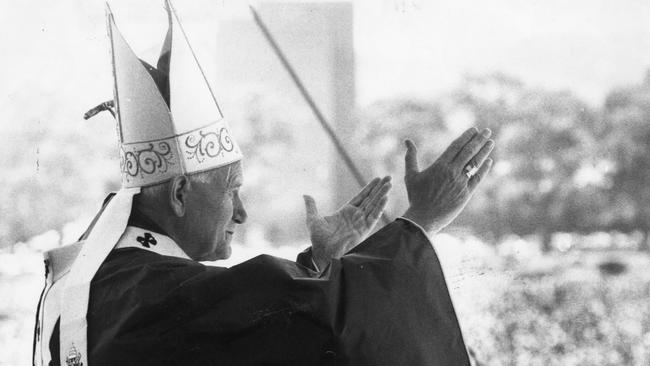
(139, 219)
(135, 237)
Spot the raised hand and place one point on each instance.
(332, 236)
(439, 193)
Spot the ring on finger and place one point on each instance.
(470, 169)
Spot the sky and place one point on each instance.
(402, 47)
(421, 47)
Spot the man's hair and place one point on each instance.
(221, 174)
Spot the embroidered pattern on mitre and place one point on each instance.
(150, 162)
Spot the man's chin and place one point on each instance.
(220, 254)
(227, 252)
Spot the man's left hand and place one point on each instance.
(332, 236)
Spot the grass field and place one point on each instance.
(573, 312)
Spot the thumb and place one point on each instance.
(310, 208)
(410, 159)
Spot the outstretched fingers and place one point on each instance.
(457, 145)
(356, 200)
(376, 209)
(380, 190)
(411, 165)
(472, 148)
(310, 209)
(482, 172)
(480, 157)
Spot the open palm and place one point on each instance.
(334, 235)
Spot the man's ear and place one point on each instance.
(178, 194)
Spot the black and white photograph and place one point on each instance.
(325, 182)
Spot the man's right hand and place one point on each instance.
(439, 193)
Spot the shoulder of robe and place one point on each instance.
(58, 261)
(149, 269)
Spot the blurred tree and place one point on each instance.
(49, 185)
(54, 171)
(626, 137)
(544, 140)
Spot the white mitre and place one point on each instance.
(169, 124)
(159, 141)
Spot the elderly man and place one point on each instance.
(132, 292)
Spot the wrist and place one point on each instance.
(429, 225)
(320, 259)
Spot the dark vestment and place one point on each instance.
(384, 303)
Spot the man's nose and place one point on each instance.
(239, 214)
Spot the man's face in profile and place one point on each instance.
(213, 211)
